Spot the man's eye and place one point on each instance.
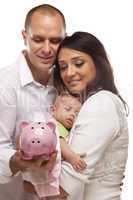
(37, 40)
(56, 40)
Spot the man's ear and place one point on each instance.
(24, 35)
(65, 35)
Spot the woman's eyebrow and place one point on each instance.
(73, 58)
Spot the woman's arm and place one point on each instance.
(95, 128)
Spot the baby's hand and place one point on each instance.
(77, 161)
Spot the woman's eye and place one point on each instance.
(79, 63)
(63, 66)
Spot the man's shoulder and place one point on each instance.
(7, 68)
(9, 75)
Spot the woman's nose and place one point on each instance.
(71, 70)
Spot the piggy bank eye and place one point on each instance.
(32, 127)
(39, 122)
(42, 127)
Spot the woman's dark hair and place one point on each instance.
(89, 44)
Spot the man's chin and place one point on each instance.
(47, 61)
(47, 66)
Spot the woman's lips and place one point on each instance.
(73, 82)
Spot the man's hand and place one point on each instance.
(17, 163)
(63, 193)
(62, 196)
(29, 187)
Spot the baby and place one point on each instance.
(65, 110)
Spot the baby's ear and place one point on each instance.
(24, 124)
(52, 109)
(51, 125)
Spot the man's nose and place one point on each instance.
(46, 47)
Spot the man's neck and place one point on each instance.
(40, 76)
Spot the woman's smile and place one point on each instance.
(77, 69)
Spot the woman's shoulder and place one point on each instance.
(104, 95)
(105, 99)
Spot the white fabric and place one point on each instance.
(21, 99)
(101, 132)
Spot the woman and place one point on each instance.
(100, 131)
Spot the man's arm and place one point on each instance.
(7, 127)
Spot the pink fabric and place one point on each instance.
(50, 186)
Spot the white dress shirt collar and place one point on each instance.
(25, 73)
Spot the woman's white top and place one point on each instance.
(101, 132)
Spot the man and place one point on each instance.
(26, 94)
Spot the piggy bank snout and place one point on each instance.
(35, 141)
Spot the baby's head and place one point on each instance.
(65, 109)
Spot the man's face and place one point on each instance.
(42, 40)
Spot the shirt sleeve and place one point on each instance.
(63, 132)
(95, 128)
(7, 126)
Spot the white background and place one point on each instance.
(111, 21)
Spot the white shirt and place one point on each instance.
(21, 99)
(101, 132)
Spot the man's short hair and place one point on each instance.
(45, 9)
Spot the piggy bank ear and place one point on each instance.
(24, 124)
(51, 125)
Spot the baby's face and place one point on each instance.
(66, 111)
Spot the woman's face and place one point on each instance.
(77, 69)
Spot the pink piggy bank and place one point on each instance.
(37, 139)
